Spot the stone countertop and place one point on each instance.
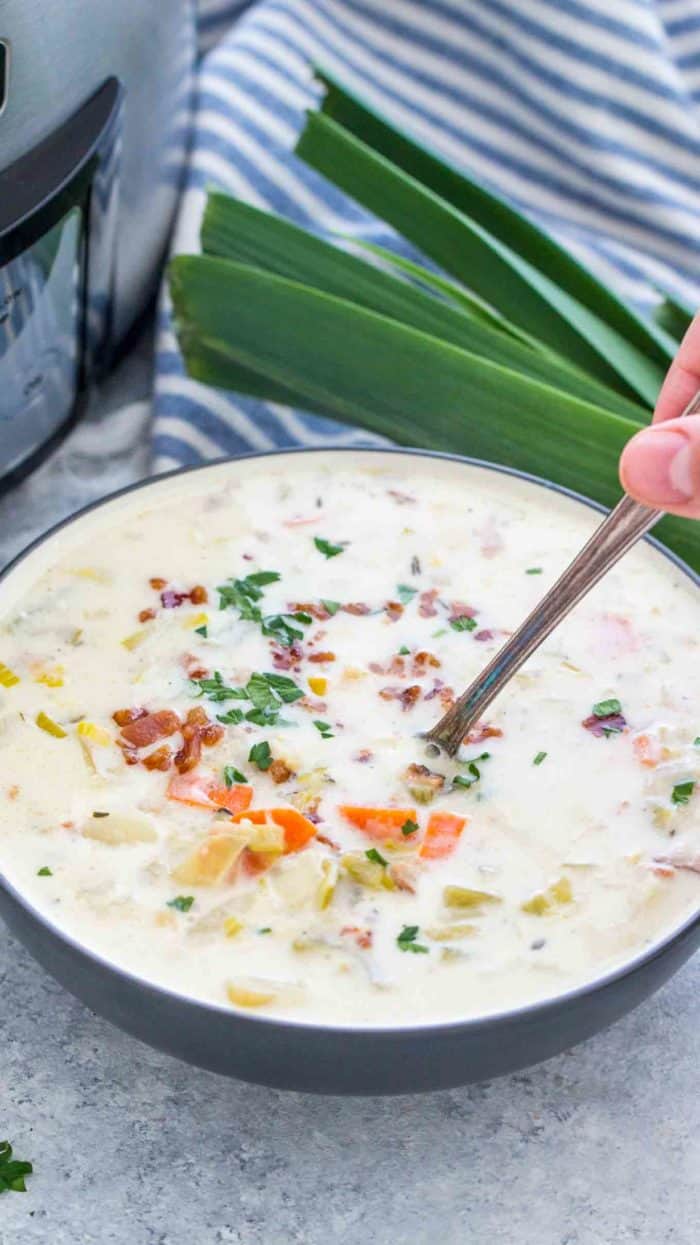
(600, 1146)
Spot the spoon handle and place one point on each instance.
(615, 535)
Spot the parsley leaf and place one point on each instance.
(696, 742)
(279, 628)
(12, 1171)
(605, 708)
(404, 651)
(245, 594)
(406, 940)
(409, 827)
(260, 755)
(539, 758)
(266, 929)
(231, 775)
(182, 903)
(682, 791)
(375, 856)
(231, 718)
(44, 872)
(405, 593)
(202, 631)
(215, 689)
(331, 607)
(534, 570)
(326, 548)
(324, 728)
(463, 623)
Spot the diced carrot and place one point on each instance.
(203, 791)
(297, 828)
(441, 835)
(378, 823)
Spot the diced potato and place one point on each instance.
(451, 933)
(119, 828)
(560, 892)
(212, 860)
(268, 839)
(366, 872)
(467, 897)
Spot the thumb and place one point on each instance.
(660, 466)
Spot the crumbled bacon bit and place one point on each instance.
(131, 756)
(407, 695)
(122, 717)
(286, 658)
(420, 776)
(13, 791)
(402, 499)
(363, 756)
(356, 607)
(193, 667)
(486, 634)
(445, 694)
(279, 771)
(680, 860)
(170, 599)
(151, 727)
(663, 871)
(393, 610)
(422, 660)
(482, 731)
(426, 603)
(312, 706)
(459, 610)
(613, 722)
(160, 758)
(403, 876)
(363, 937)
(397, 665)
(146, 615)
(199, 595)
(196, 731)
(157, 583)
(322, 657)
(317, 611)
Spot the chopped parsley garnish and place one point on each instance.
(404, 651)
(260, 755)
(605, 708)
(409, 827)
(231, 718)
(534, 570)
(266, 929)
(182, 903)
(539, 758)
(324, 728)
(331, 607)
(326, 548)
(463, 623)
(12, 1171)
(215, 689)
(44, 872)
(375, 856)
(266, 693)
(231, 775)
(97, 813)
(244, 595)
(682, 791)
(202, 631)
(405, 593)
(473, 772)
(696, 742)
(406, 940)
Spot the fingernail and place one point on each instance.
(657, 467)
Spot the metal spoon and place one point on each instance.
(615, 535)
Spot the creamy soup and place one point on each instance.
(212, 695)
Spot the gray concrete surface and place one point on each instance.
(600, 1146)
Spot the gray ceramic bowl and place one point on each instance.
(340, 1059)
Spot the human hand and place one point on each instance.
(660, 466)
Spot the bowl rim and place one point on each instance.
(525, 1012)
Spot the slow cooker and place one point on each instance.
(95, 107)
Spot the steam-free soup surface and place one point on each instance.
(212, 694)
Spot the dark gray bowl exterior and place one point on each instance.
(328, 1059)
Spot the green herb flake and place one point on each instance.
(473, 774)
(331, 607)
(405, 593)
(539, 758)
(202, 631)
(404, 651)
(605, 708)
(231, 718)
(409, 827)
(266, 929)
(534, 570)
(375, 856)
(406, 941)
(12, 1171)
(326, 548)
(696, 742)
(463, 623)
(215, 689)
(181, 903)
(44, 872)
(231, 775)
(260, 755)
(97, 813)
(682, 791)
(324, 728)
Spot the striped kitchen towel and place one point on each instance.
(585, 114)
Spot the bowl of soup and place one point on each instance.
(220, 824)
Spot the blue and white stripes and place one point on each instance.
(585, 114)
